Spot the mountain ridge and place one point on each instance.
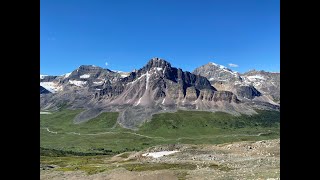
(156, 87)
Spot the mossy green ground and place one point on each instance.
(102, 134)
(96, 164)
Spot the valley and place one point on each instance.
(208, 144)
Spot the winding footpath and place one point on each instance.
(50, 131)
(141, 135)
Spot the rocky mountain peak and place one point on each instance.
(212, 64)
(88, 71)
(157, 62)
(215, 72)
(89, 68)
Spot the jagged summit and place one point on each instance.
(157, 62)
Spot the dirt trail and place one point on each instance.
(151, 137)
(50, 131)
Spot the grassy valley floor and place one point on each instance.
(101, 145)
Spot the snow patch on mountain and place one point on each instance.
(98, 83)
(124, 75)
(78, 83)
(137, 79)
(51, 86)
(138, 102)
(118, 71)
(67, 74)
(222, 67)
(253, 78)
(148, 76)
(213, 63)
(164, 99)
(218, 65)
(85, 76)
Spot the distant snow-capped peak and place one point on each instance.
(220, 66)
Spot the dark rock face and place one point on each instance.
(248, 92)
(110, 91)
(44, 90)
(192, 93)
(225, 96)
(157, 73)
(206, 94)
(49, 78)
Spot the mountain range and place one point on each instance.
(158, 87)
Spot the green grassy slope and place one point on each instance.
(199, 123)
(63, 121)
(100, 135)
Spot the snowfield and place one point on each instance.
(67, 75)
(99, 82)
(159, 154)
(138, 102)
(124, 75)
(252, 78)
(85, 76)
(137, 79)
(51, 86)
(78, 83)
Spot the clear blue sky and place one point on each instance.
(187, 33)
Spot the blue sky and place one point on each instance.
(187, 33)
